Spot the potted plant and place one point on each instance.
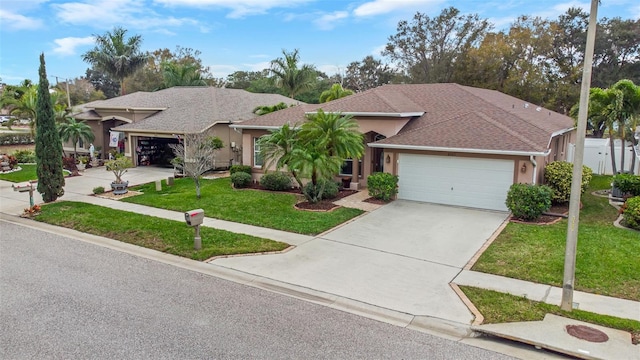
(82, 162)
(119, 167)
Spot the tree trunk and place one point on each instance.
(197, 181)
(297, 178)
(622, 153)
(612, 149)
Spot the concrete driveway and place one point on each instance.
(399, 257)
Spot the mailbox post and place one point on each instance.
(195, 218)
(24, 187)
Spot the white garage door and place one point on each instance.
(471, 182)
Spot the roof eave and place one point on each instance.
(372, 114)
(255, 127)
(461, 150)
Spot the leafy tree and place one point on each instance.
(427, 48)
(336, 92)
(196, 156)
(82, 91)
(266, 109)
(617, 52)
(116, 56)
(629, 112)
(244, 79)
(26, 106)
(368, 74)
(48, 144)
(103, 83)
(75, 130)
(288, 75)
(277, 148)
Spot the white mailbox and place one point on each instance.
(194, 217)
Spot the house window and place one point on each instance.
(347, 167)
(257, 157)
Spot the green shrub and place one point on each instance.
(241, 179)
(631, 213)
(98, 190)
(627, 183)
(276, 181)
(330, 189)
(240, 168)
(383, 186)
(25, 156)
(558, 176)
(528, 202)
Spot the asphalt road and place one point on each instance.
(62, 298)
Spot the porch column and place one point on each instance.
(355, 174)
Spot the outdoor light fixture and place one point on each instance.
(523, 169)
(388, 159)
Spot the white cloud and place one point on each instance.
(14, 21)
(329, 21)
(556, 10)
(378, 7)
(68, 45)
(239, 8)
(131, 14)
(259, 66)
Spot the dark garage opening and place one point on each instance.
(155, 151)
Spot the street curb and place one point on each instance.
(432, 325)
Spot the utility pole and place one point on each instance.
(66, 81)
(576, 179)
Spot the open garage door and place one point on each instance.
(471, 182)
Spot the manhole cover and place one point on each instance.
(587, 333)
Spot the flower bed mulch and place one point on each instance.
(551, 216)
(372, 200)
(324, 205)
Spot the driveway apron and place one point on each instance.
(400, 257)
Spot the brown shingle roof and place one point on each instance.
(455, 116)
(191, 109)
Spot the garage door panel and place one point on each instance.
(472, 182)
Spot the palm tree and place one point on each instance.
(25, 106)
(292, 79)
(278, 148)
(74, 131)
(175, 74)
(628, 113)
(266, 109)
(326, 140)
(117, 56)
(336, 92)
(604, 107)
(338, 133)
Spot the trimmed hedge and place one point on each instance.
(528, 202)
(240, 168)
(631, 213)
(558, 176)
(240, 179)
(276, 181)
(383, 186)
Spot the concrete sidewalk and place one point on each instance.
(399, 307)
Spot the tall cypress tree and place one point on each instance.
(48, 144)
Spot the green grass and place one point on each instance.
(498, 307)
(261, 208)
(607, 256)
(27, 173)
(173, 237)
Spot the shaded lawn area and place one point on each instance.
(173, 237)
(607, 257)
(497, 307)
(27, 173)
(219, 200)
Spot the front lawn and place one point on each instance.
(219, 200)
(27, 173)
(497, 307)
(173, 237)
(607, 256)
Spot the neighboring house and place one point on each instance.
(449, 144)
(148, 122)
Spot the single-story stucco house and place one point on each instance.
(144, 123)
(448, 144)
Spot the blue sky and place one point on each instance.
(235, 34)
